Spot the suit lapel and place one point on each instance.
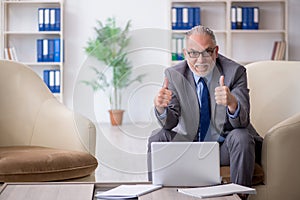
(192, 97)
(218, 111)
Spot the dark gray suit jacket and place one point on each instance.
(183, 111)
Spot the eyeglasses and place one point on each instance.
(206, 53)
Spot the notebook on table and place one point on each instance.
(185, 163)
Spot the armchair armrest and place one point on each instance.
(280, 159)
(68, 130)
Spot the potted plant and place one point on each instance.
(109, 47)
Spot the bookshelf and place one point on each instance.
(243, 46)
(20, 31)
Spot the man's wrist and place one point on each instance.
(236, 113)
(162, 115)
(160, 110)
(233, 106)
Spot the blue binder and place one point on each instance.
(191, 18)
(41, 19)
(47, 19)
(57, 81)
(52, 19)
(39, 50)
(57, 50)
(245, 21)
(46, 77)
(52, 80)
(250, 17)
(50, 50)
(233, 18)
(179, 16)
(185, 18)
(45, 50)
(197, 16)
(174, 18)
(239, 18)
(256, 18)
(57, 19)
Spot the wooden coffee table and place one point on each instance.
(45, 191)
(83, 191)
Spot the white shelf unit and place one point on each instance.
(243, 46)
(19, 29)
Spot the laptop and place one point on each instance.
(185, 163)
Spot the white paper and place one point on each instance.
(219, 190)
(127, 191)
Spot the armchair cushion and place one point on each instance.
(34, 163)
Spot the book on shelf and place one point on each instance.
(184, 18)
(246, 18)
(274, 50)
(278, 52)
(281, 52)
(10, 54)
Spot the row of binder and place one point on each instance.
(48, 50)
(185, 17)
(52, 79)
(178, 44)
(244, 17)
(49, 19)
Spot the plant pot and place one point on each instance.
(116, 117)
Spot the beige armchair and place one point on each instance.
(40, 138)
(275, 113)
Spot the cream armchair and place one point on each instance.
(36, 130)
(275, 113)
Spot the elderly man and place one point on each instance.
(205, 98)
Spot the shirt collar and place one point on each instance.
(207, 78)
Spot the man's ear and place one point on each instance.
(217, 51)
(185, 53)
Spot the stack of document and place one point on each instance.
(219, 190)
(127, 191)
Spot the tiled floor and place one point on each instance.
(121, 152)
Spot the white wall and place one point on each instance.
(80, 18)
(149, 17)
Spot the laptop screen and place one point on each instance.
(185, 163)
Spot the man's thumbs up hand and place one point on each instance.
(163, 98)
(166, 83)
(221, 81)
(224, 97)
